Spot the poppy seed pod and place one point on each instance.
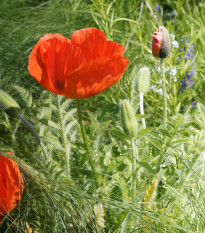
(129, 121)
(161, 43)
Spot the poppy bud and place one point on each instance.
(129, 121)
(161, 43)
(143, 80)
(8, 104)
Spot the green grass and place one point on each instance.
(51, 203)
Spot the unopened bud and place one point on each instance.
(161, 43)
(143, 80)
(129, 121)
(8, 104)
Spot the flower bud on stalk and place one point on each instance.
(9, 105)
(129, 121)
(130, 127)
(143, 80)
(143, 84)
(161, 43)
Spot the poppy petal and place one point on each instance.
(93, 43)
(95, 77)
(11, 184)
(3, 195)
(52, 59)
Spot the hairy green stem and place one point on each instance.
(164, 93)
(134, 166)
(64, 139)
(92, 164)
(142, 109)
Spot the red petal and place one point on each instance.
(11, 185)
(95, 77)
(52, 59)
(156, 43)
(93, 43)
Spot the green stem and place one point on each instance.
(64, 138)
(92, 164)
(141, 94)
(164, 93)
(134, 157)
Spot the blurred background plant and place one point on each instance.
(170, 165)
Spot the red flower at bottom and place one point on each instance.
(80, 67)
(11, 185)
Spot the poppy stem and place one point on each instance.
(66, 148)
(134, 168)
(164, 93)
(80, 121)
(142, 109)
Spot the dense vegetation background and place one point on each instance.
(171, 161)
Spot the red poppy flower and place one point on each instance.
(79, 68)
(11, 185)
(161, 43)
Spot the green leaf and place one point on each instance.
(181, 141)
(147, 167)
(65, 104)
(70, 126)
(121, 218)
(144, 132)
(54, 141)
(25, 95)
(58, 173)
(54, 125)
(120, 134)
(140, 116)
(155, 143)
(68, 115)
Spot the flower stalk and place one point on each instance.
(130, 127)
(64, 139)
(92, 164)
(164, 93)
(143, 85)
(141, 95)
(134, 168)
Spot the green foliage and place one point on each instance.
(170, 169)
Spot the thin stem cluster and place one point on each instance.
(92, 164)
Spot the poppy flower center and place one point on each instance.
(59, 85)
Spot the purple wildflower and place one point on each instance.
(186, 83)
(189, 55)
(193, 104)
(157, 7)
(189, 74)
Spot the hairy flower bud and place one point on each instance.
(9, 105)
(129, 121)
(143, 80)
(161, 43)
